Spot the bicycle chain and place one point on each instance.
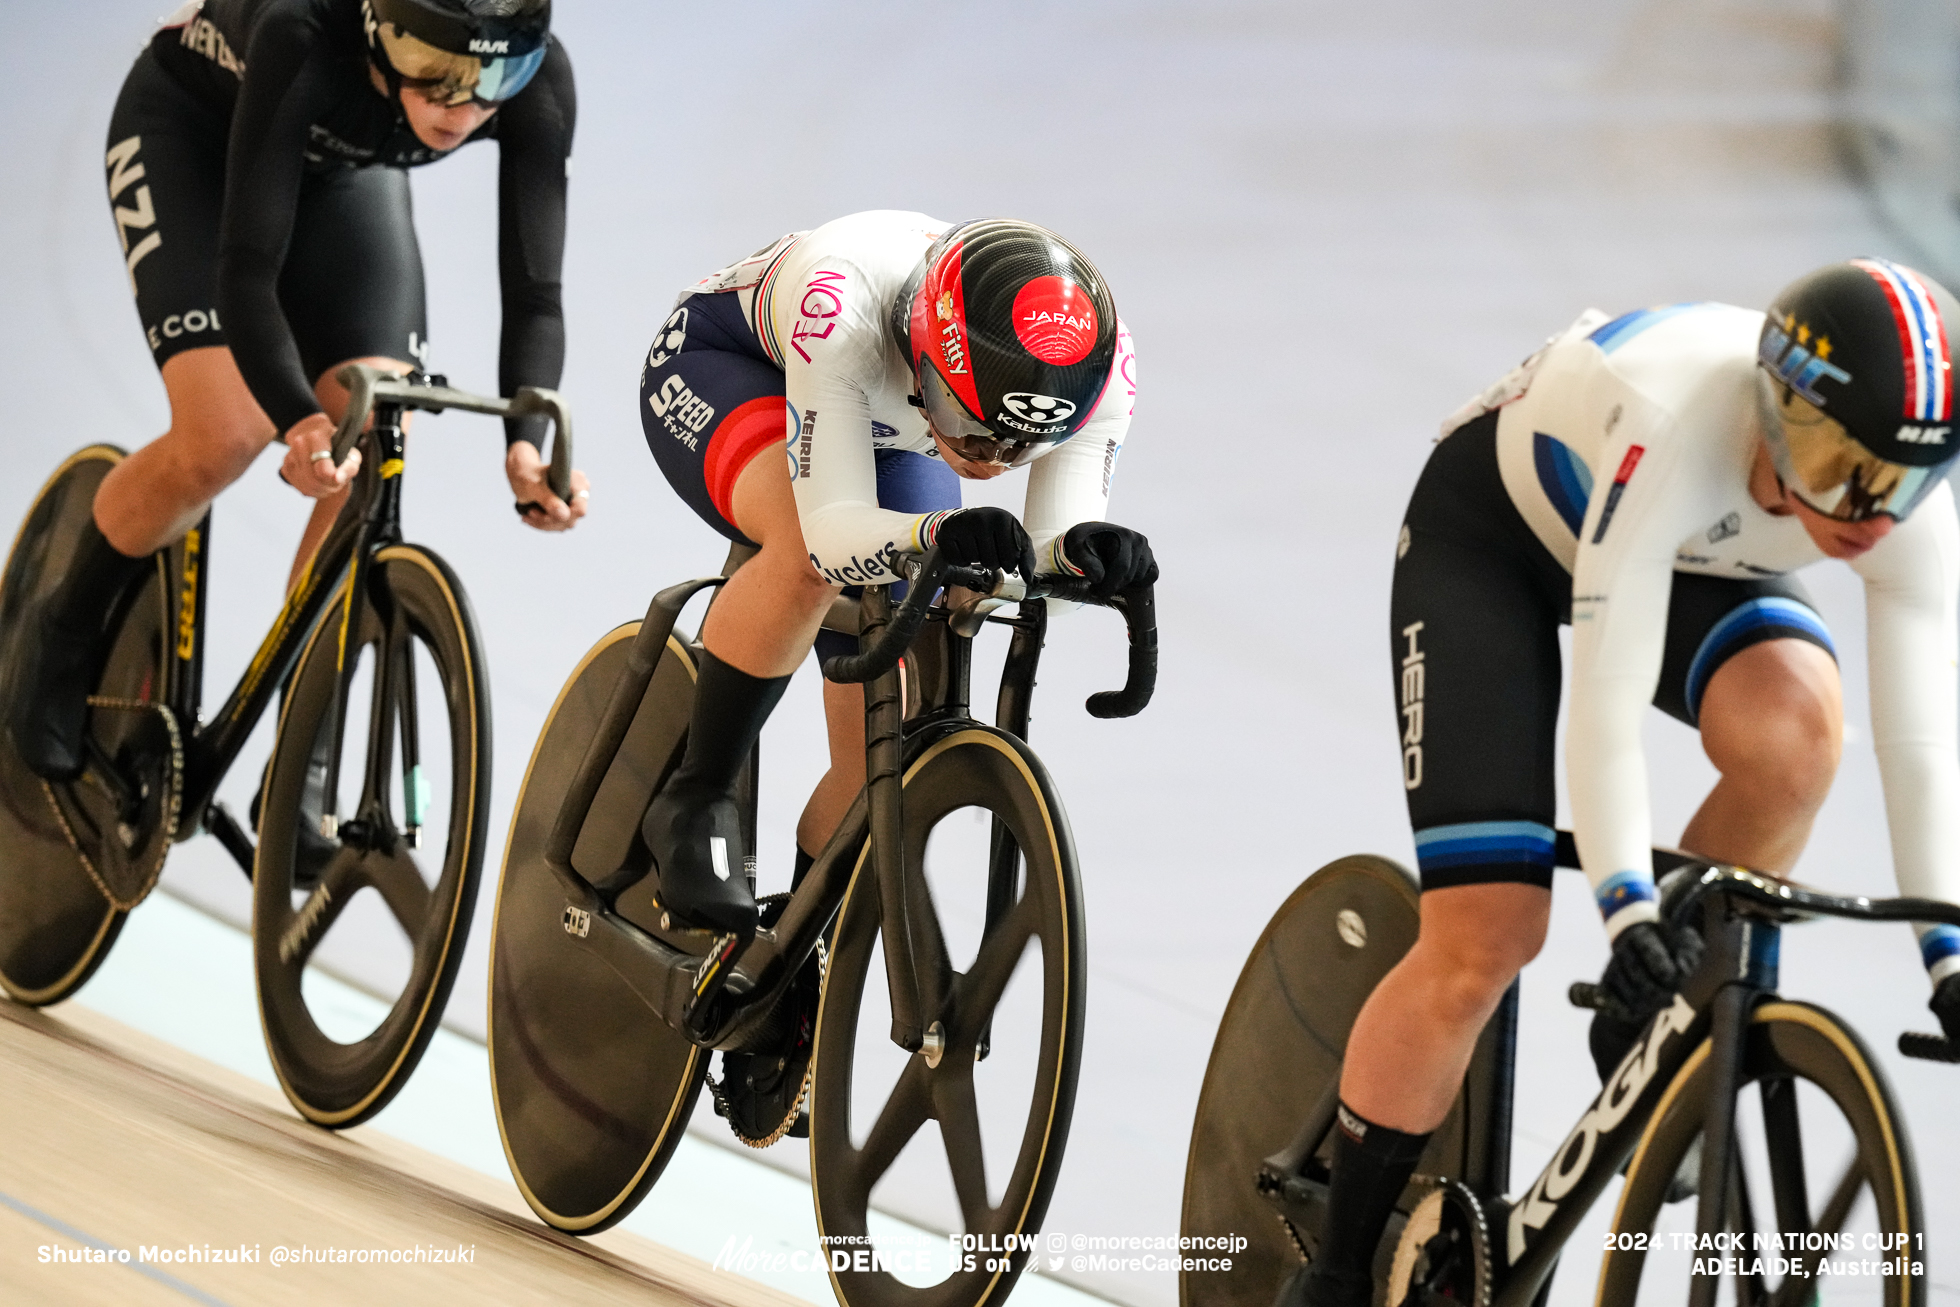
(171, 813)
(809, 1072)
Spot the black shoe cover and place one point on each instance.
(56, 675)
(696, 840)
(60, 652)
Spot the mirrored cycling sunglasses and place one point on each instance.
(964, 434)
(450, 79)
(1838, 477)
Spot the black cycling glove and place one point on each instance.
(1649, 964)
(1946, 1006)
(1646, 969)
(1111, 558)
(986, 537)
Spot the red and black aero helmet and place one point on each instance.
(1865, 401)
(1011, 333)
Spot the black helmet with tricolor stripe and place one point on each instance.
(1859, 354)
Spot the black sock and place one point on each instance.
(1372, 1163)
(804, 861)
(730, 707)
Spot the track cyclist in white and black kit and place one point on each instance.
(1653, 479)
(822, 399)
(256, 170)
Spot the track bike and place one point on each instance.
(603, 1011)
(372, 621)
(1673, 1114)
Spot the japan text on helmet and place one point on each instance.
(1859, 356)
(1011, 334)
(458, 51)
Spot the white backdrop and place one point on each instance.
(1326, 225)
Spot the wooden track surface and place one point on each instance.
(111, 1138)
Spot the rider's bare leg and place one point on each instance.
(216, 429)
(1772, 722)
(1405, 1059)
(843, 711)
(767, 615)
(1413, 1038)
(757, 631)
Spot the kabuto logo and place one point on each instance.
(668, 340)
(1043, 410)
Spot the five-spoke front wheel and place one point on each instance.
(984, 1119)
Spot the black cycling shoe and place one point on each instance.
(1320, 1285)
(60, 650)
(696, 840)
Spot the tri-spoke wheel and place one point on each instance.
(1822, 1172)
(371, 835)
(76, 857)
(980, 1125)
(593, 1089)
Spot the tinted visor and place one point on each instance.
(451, 79)
(963, 433)
(1834, 474)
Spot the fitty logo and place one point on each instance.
(479, 46)
(1792, 353)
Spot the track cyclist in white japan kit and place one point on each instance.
(822, 399)
(257, 169)
(1654, 479)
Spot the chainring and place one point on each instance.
(1443, 1255)
(121, 844)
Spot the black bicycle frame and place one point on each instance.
(670, 980)
(1741, 921)
(370, 520)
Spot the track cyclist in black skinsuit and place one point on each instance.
(1654, 479)
(256, 169)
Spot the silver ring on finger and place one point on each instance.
(319, 454)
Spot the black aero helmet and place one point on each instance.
(1860, 354)
(1011, 333)
(457, 51)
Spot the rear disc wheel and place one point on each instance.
(73, 862)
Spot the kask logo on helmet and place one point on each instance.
(1045, 410)
(481, 46)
